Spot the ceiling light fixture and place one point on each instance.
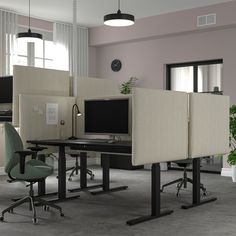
(29, 36)
(119, 19)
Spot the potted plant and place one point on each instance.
(232, 141)
(126, 87)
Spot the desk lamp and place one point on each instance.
(75, 113)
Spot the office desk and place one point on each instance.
(123, 147)
(85, 145)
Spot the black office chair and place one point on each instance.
(75, 169)
(184, 180)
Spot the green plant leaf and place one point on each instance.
(232, 138)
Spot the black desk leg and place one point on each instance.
(156, 199)
(83, 175)
(196, 198)
(41, 188)
(83, 168)
(105, 172)
(62, 177)
(62, 173)
(42, 184)
(106, 177)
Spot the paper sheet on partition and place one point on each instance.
(52, 113)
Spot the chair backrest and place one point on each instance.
(13, 143)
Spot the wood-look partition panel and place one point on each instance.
(208, 125)
(159, 126)
(37, 81)
(33, 117)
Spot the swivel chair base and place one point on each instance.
(75, 169)
(183, 182)
(32, 200)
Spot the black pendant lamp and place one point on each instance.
(119, 19)
(29, 36)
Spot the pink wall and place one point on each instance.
(146, 58)
(162, 25)
(35, 23)
(92, 62)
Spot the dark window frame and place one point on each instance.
(195, 65)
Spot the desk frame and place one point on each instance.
(119, 147)
(155, 190)
(105, 161)
(155, 199)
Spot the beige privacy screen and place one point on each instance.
(159, 126)
(209, 125)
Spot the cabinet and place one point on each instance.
(122, 162)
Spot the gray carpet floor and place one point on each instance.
(107, 214)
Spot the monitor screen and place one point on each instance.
(107, 116)
(6, 89)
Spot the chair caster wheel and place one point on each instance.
(35, 221)
(46, 208)
(62, 214)
(70, 179)
(1, 218)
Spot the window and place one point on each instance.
(44, 54)
(22, 53)
(10, 53)
(39, 54)
(203, 76)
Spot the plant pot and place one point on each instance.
(234, 173)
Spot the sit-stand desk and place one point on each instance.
(84, 145)
(124, 147)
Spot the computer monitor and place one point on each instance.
(106, 116)
(6, 88)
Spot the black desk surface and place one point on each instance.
(99, 145)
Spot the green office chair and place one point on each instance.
(19, 168)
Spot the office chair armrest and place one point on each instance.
(22, 155)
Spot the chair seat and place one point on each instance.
(183, 163)
(34, 170)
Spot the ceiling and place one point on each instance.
(91, 12)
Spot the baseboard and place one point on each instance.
(2, 171)
(227, 172)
